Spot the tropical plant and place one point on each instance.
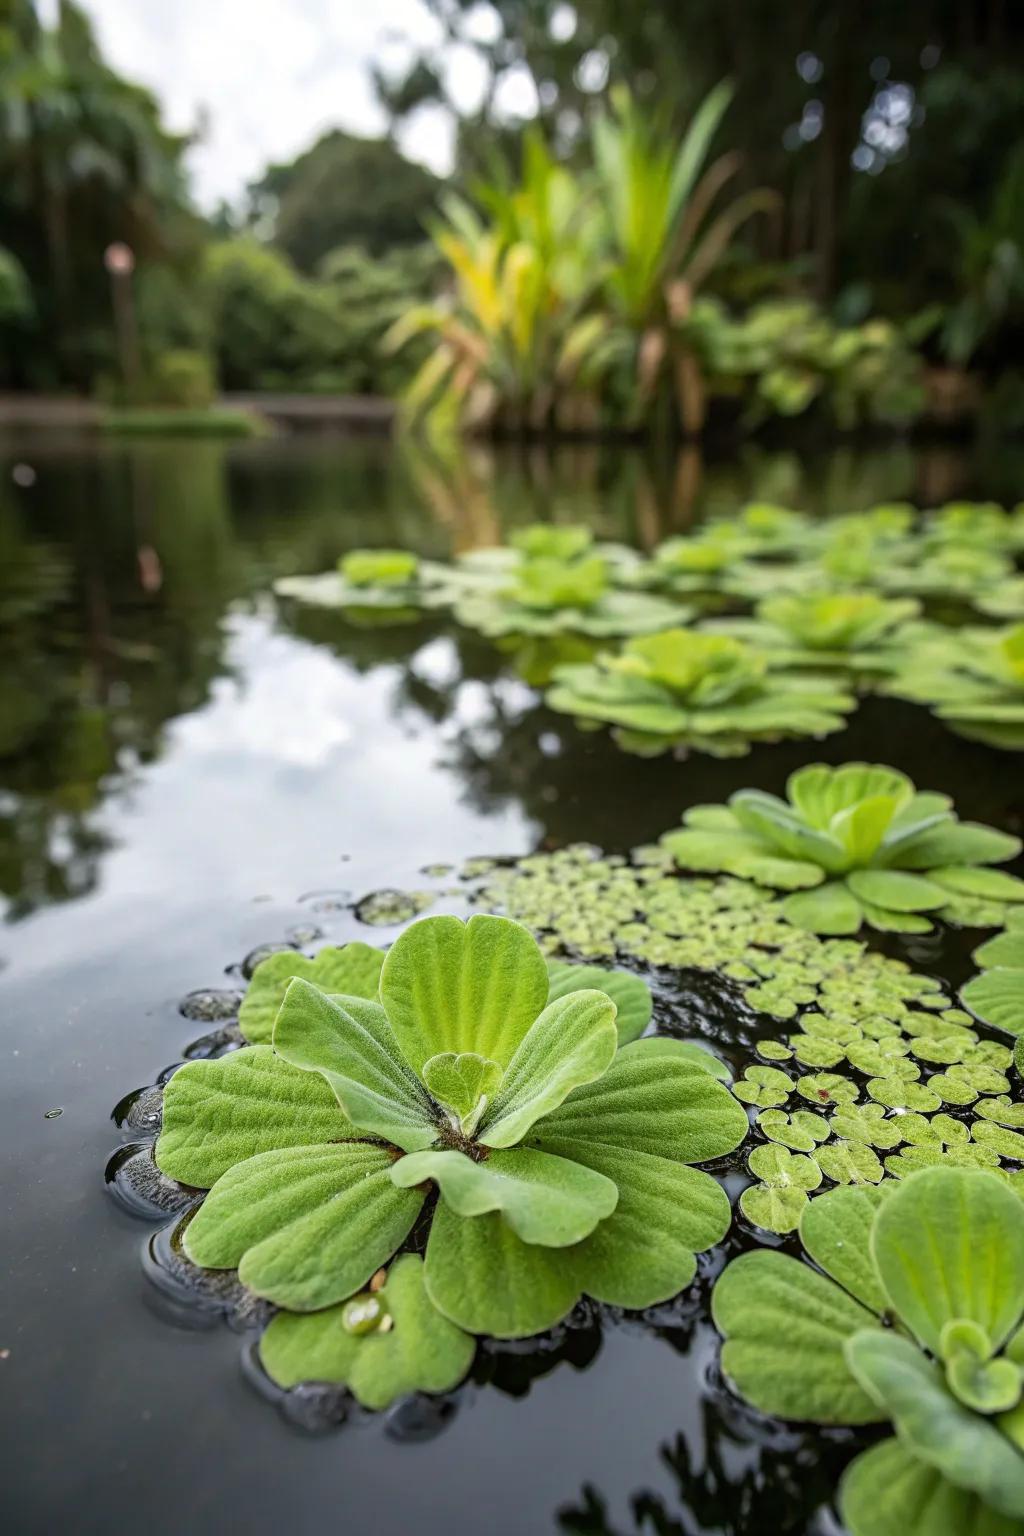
(389, 582)
(913, 1317)
(858, 631)
(558, 1142)
(548, 597)
(996, 994)
(856, 844)
(681, 689)
(951, 570)
(665, 238)
(974, 681)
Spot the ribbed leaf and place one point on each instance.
(886, 1491)
(572, 1042)
(957, 843)
(893, 889)
(997, 997)
(218, 1113)
(453, 986)
(353, 970)
(831, 909)
(835, 1229)
(630, 994)
(544, 1199)
(350, 1043)
(421, 1352)
(305, 1226)
(487, 1280)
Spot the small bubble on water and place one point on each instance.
(210, 1004)
(53, 1114)
(23, 475)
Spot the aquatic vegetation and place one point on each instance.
(975, 522)
(915, 1321)
(708, 693)
(552, 541)
(951, 570)
(974, 681)
(559, 1142)
(353, 970)
(550, 597)
(855, 631)
(389, 583)
(856, 844)
(996, 994)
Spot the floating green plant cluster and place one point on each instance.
(856, 844)
(874, 600)
(912, 1318)
(461, 1084)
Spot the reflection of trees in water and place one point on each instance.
(738, 1475)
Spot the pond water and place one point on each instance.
(186, 774)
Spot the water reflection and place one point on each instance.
(131, 596)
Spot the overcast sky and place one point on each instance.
(267, 76)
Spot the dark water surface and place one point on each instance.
(185, 774)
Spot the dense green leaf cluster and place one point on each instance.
(461, 1076)
(856, 844)
(913, 1317)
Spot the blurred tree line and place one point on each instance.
(889, 134)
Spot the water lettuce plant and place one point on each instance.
(974, 681)
(708, 692)
(545, 596)
(386, 582)
(512, 1109)
(996, 994)
(914, 1318)
(856, 631)
(855, 844)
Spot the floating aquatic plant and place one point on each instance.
(856, 631)
(551, 597)
(856, 844)
(974, 681)
(388, 583)
(710, 693)
(996, 994)
(915, 1321)
(560, 1144)
(961, 570)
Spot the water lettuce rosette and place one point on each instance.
(389, 585)
(545, 596)
(509, 1110)
(974, 681)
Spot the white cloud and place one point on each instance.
(267, 76)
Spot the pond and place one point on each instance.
(188, 772)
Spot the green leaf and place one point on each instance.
(218, 1113)
(544, 1199)
(990, 884)
(862, 827)
(644, 1252)
(1005, 949)
(453, 986)
(801, 1131)
(630, 994)
(849, 1162)
(692, 1053)
(353, 970)
(779, 1167)
(487, 1280)
(957, 843)
(962, 1445)
(997, 997)
(887, 1491)
(894, 889)
(650, 1103)
(774, 1207)
(822, 793)
(305, 1226)
(949, 1244)
(785, 1326)
(572, 1042)
(831, 909)
(350, 1043)
(979, 1382)
(836, 1229)
(421, 1352)
(461, 1080)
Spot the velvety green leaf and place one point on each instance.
(990, 884)
(957, 844)
(630, 994)
(933, 1426)
(1005, 949)
(350, 1043)
(894, 889)
(774, 1207)
(353, 970)
(461, 1079)
(887, 1491)
(997, 997)
(218, 1113)
(487, 1280)
(305, 1226)
(801, 1131)
(543, 1198)
(644, 1252)
(860, 828)
(849, 1162)
(785, 1326)
(831, 909)
(887, 920)
(821, 793)
(650, 1103)
(572, 1042)
(779, 1167)
(949, 1243)
(453, 986)
(692, 1053)
(421, 1352)
(835, 1229)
